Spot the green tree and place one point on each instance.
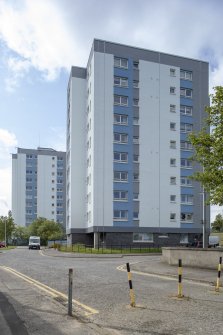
(20, 234)
(209, 149)
(217, 225)
(46, 229)
(8, 222)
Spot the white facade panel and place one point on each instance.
(77, 172)
(46, 186)
(18, 189)
(155, 152)
(102, 123)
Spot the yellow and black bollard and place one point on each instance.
(132, 295)
(219, 275)
(180, 294)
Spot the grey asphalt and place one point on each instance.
(24, 309)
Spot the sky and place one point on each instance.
(41, 39)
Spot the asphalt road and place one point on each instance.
(102, 298)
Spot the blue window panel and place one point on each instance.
(123, 224)
(187, 208)
(186, 154)
(121, 187)
(184, 137)
(186, 172)
(187, 190)
(186, 119)
(123, 91)
(186, 101)
(187, 225)
(186, 83)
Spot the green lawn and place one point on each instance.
(8, 248)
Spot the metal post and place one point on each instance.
(180, 295)
(5, 233)
(70, 292)
(131, 292)
(203, 220)
(219, 275)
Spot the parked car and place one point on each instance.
(2, 245)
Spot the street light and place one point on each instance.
(5, 233)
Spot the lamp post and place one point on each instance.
(203, 218)
(5, 232)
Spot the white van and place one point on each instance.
(34, 242)
(213, 241)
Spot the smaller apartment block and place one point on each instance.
(128, 156)
(38, 185)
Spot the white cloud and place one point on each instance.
(39, 37)
(8, 142)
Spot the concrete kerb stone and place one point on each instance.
(55, 253)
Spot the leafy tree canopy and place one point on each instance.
(46, 229)
(209, 149)
(6, 221)
(217, 225)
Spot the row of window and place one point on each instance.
(123, 63)
(122, 215)
(148, 237)
(122, 176)
(122, 100)
(122, 195)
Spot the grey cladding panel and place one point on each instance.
(79, 72)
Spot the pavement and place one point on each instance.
(25, 310)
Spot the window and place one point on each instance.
(186, 217)
(120, 81)
(135, 176)
(135, 65)
(186, 163)
(172, 198)
(173, 216)
(29, 188)
(172, 162)
(135, 196)
(186, 127)
(142, 237)
(135, 139)
(60, 174)
(186, 92)
(135, 215)
(172, 90)
(120, 157)
(121, 119)
(29, 156)
(186, 110)
(121, 176)
(59, 197)
(173, 180)
(29, 172)
(121, 62)
(186, 182)
(120, 215)
(136, 102)
(173, 144)
(28, 180)
(135, 83)
(187, 199)
(120, 195)
(186, 75)
(172, 126)
(185, 145)
(135, 121)
(183, 238)
(120, 138)
(173, 108)
(172, 72)
(135, 158)
(120, 100)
